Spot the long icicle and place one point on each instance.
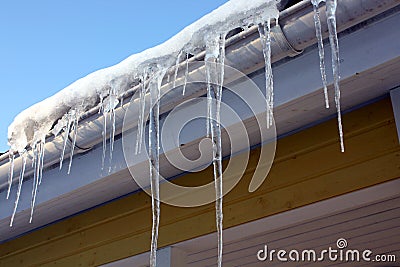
(215, 77)
(141, 121)
(334, 42)
(10, 172)
(154, 154)
(35, 174)
(38, 170)
(264, 30)
(321, 52)
(20, 181)
(217, 162)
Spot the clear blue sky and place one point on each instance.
(46, 44)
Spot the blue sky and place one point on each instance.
(46, 44)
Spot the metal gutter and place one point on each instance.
(243, 51)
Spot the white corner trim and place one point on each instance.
(395, 97)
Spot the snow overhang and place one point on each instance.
(370, 60)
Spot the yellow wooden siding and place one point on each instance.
(308, 168)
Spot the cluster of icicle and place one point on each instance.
(148, 69)
(331, 6)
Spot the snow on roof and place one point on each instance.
(32, 125)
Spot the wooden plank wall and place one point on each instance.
(308, 168)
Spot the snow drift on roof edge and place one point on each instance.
(32, 125)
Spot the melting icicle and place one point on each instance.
(264, 30)
(177, 67)
(334, 42)
(20, 181)
(75, 130)
(186, 74)
(141, 121)
(321, 51)
(154, 153)
(38, 155)
(215, 57)
(10, 172)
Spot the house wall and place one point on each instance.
(308, 168)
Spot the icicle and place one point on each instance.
(75, 130)
(177, 67)
(10, 172)
(264, 30)
(108, 106)
(112, 135)
(104, 133)
(221, 61)
(209, 102)
(38, 152)
(66, 134)
(35, 182)
(141, 121)
(114, 102)
(110, 103)
(154, 153)
(41, 160)
(321, 51)
(20, 181)
(334, 42)
(186, 74)
(215, 57)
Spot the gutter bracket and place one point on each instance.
(280, 38)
